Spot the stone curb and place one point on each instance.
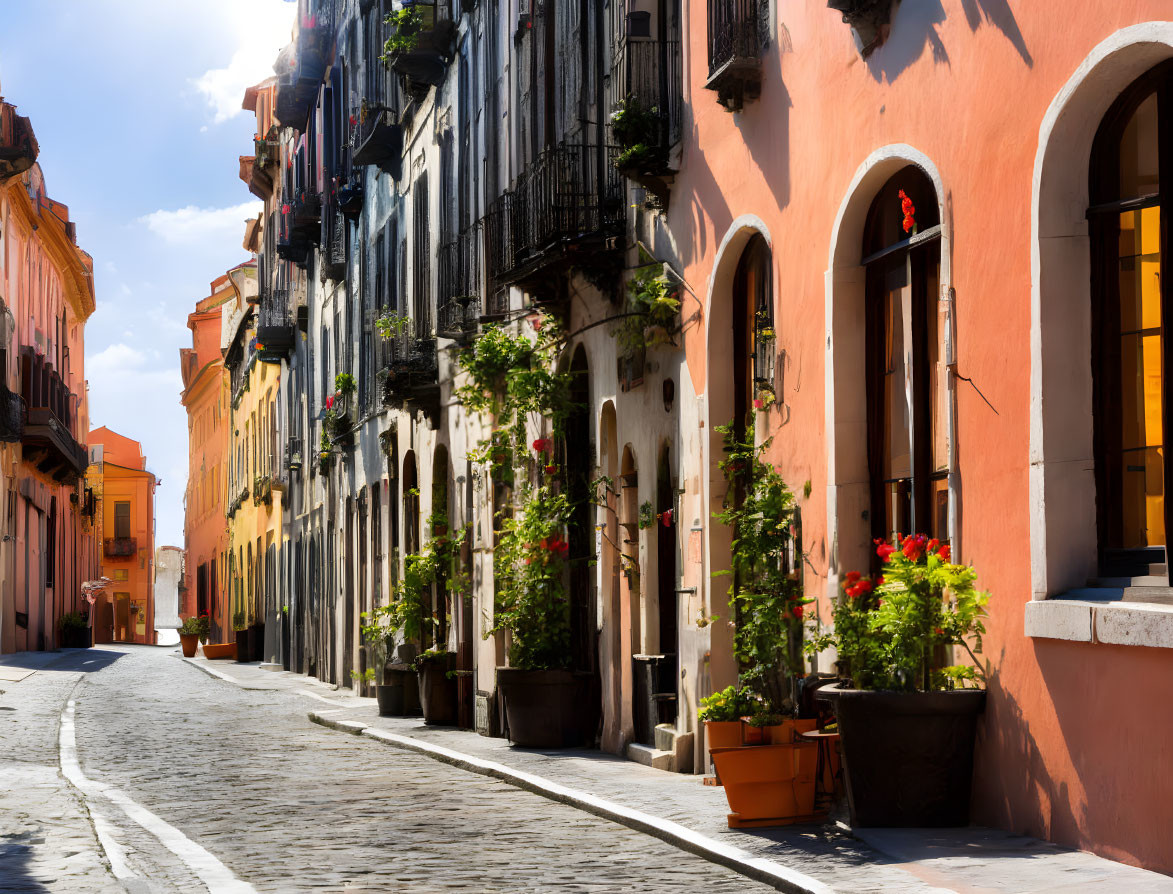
(210, 671)
(767, 871)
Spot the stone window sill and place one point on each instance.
(1101, 621)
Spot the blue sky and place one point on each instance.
(136, 106)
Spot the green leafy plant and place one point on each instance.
(197, 626)
(367, 676)
(647, 516)
(73, 621)
(239, 621)
(652, 314)
(391, 324)
(636, 129)
(344, 383)
(407, 23)
(530, 564)
(766, 592)
(891, 632)
(731, 703)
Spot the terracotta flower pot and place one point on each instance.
(189, 642)
(219, 651)
(768, 785)
(723, 733)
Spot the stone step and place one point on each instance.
(1147, 580)
(1161, 595)
(651, 757)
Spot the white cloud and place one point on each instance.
(193, 225)
(257, 30)
(120, 364)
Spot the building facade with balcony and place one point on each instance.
(48, 545)
(207, 399)
(124, 492)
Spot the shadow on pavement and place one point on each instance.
(15, 853)
(77, 660)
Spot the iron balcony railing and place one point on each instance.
(120, 547)
(12, 414)
(460, 274)
(735, 31)
(570, 193)
(649, 73)
(411, 366)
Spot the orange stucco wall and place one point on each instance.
(1075, 744)
(124, 478)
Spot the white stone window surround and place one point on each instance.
(849, 533)
(1062, 477)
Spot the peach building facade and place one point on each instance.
(206, 399)
(48, 544)
(990, 374)
(125, 490)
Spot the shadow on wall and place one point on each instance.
(1026, 802)
(914, 27)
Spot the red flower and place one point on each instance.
(914, 547)
(551, 469)
(884, 550)
(353, 121)
(758, 403)
(330, 402)
(536, 322)
(939, 631)
(543, 445)
(852, 577)
(666, 517)
(908, 209)
(943, 553)
(797, 611)
(284, 209)
(861, 588)
(933, 544)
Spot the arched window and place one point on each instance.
(1130, 303)
(753, 329)
(907, 451)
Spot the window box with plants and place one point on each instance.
(640, 132)
(420, 46)
(907, 719)
(767, 770)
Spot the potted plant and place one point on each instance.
(769, 775)
(193, 632)
(543, 697)
(721, 714)
(240, 627)
(437, 682)
(906, 717)
(75, 631)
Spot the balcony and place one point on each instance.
(275, 331)
(120, 548)
(50, 409)
(737, 34)
(11, 416)
(333, 243)
(649, 120)
(566, 209)
(301, 66)
(18, 145)
(421, 47)
(379, 142)
(459, 269)
(350, 184)
(292, 245)
(411, 369)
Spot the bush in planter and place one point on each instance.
(907, 718)
(75, 632)
(437, 683)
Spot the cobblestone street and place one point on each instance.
(283, 804)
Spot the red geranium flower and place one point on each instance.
(943, 553)
(758, 403)
(551, 469)
(852, 577)
(543, 445)
(883, 549)
(666, 517)
(797, 611)
(330, 402)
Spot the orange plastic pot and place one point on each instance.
(189, 642)
(219, 650)
(768, 785)
(723, 733)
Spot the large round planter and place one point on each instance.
(768, 784)
(545, 708)
(219, 651)
(189, 642)
(438, 689)
(242, 650)
(399, 693)
(908, 756)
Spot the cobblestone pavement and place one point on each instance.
(287, 805)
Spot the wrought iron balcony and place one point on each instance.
(275, 330)
(349, 191)
(411, 371)
(120, 548)
(738, 30)
(48, 439)
(11, 415)
(649, 79)
(459, 270)
(301, 65)
(333, 243)
(421, 48)
(378, 141)
(18, 145)
(292, 244)
(565, 208)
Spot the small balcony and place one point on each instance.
(11, 416)
(50, 410)
(460, 273)
(379, 142)
(18, 145)
(349, 184)
(275, 330)
(333, 242)
(292, 245)
(565, 209)
(421, 46)
(120, 548)
(411, 370)
(737, 34)
(648, 119)
(301, 66)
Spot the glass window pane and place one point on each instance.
(1138, 152)
(897, 438)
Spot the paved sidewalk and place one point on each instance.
(679, 809)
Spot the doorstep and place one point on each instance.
(681, 810)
